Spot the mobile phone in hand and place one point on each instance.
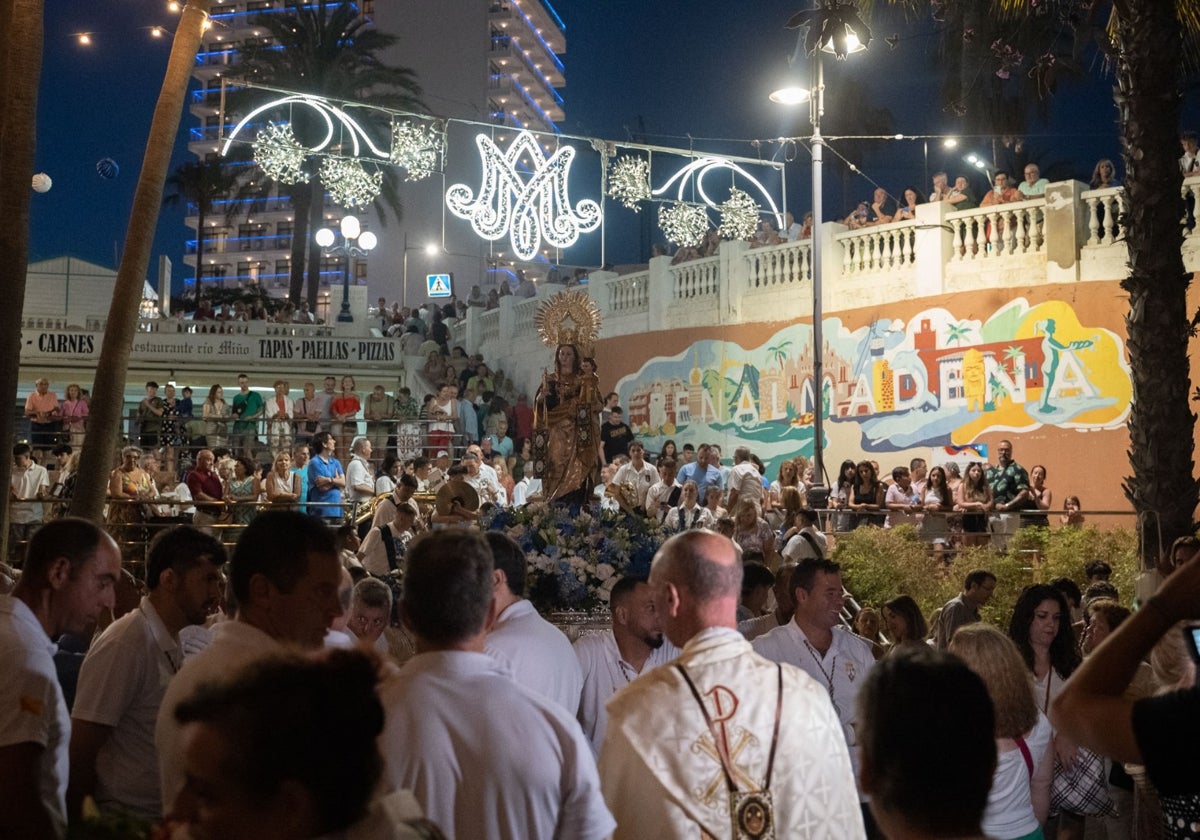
(1191, 637)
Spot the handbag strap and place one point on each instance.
(1024, 748)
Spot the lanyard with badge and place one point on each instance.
(752, 811)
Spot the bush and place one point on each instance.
(878, 564)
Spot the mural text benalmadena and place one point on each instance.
(935, 380)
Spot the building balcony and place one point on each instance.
(1071, 236)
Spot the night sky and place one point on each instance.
(658, 69)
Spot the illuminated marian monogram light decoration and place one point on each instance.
(528, 207)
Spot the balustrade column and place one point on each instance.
(933, 246)
(1064, 230)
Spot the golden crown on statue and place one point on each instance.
(570, 317)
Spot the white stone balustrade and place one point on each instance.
(1106, 211)
(1070, 235)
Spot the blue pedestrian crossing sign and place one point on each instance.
(438, 285)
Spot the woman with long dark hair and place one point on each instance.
(866, 496)
(839, 499)
(1041, 629)
(904, 621)
(975, 501)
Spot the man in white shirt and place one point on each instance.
(284, 577)
(537, 652)
(791, 228)
(126, 672)
(1034, 184)
(612, 659)
(637, 472)
(71, 567)
(382, 549)
(745, 481)
(815, 642)
(30, 484)
(483, 477)
(902, 500)
(808, 542)
(680, 736)
(485, 756)
(360, 483)
(664, 493)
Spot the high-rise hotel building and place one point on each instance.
(495, 63)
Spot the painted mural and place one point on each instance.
(935, 381)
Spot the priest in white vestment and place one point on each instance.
(485, 756)
(611, 659)
(538, 653)
(721, 717)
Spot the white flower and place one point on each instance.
(604, 571)
(608, 585)
(603, 593)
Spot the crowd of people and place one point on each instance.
(884, 207)
(333, 453)
(675, 721)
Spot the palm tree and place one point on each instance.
(1011, 354)
(204, 183)
(20, 70)
(956, 332)
(327, 50)
(104, 422)
(779, 352)
(1161, 424)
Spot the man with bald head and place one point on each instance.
(691, 745)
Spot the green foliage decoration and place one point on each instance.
(878, 564)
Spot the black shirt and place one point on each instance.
(616, 440)
(1167, 729)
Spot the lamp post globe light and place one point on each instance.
(356, 242)
(837, 29)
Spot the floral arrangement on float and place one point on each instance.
(575, 558)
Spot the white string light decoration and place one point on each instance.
(528, 206)
(279, 154)
(683, 224)
(417, 148)
(629, 181)
(739, 215)
(349, 183)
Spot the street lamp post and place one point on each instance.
(429, 250)
(356, 242)
(792, 94)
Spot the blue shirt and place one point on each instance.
(331, 468)
(470, 420)
(303, 473)
(710, 477)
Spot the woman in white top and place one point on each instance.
(1019, 801)
(938, 502)
(216, 417)
(282, 486)
(389, 474)
(688, 513)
